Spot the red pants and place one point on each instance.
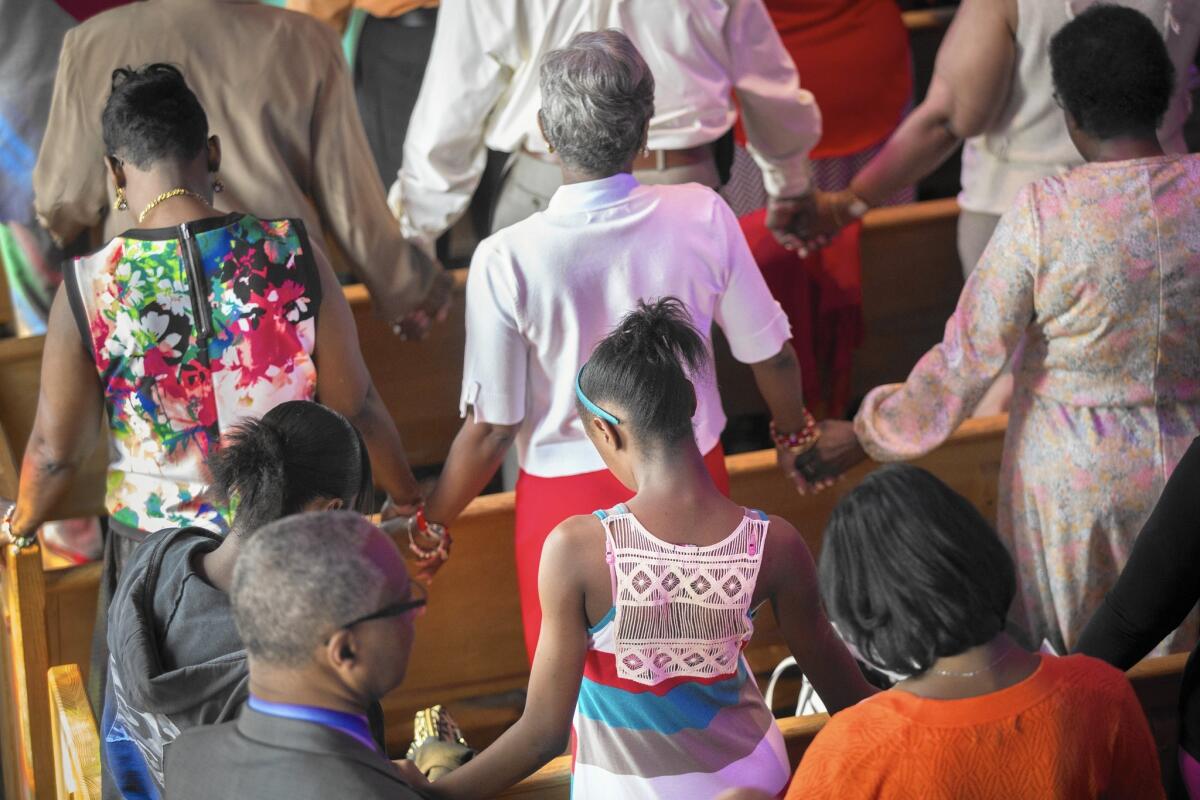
(542, 503)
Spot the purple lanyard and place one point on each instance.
(353, 725)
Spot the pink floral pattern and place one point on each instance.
(183, 352)
(1091, 284)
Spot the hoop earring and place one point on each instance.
(120, 203)
(218, 185)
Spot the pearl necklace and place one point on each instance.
(948, 674)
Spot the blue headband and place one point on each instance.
(589, 405)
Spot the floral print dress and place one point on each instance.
(192, 330)
(1092, 284)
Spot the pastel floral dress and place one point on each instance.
(1092, 283)
(192, 330)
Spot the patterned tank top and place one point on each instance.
(668, 707)
(192, 329)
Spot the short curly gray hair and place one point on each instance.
(300, 578)
(597, 97)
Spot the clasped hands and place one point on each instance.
(808, 222)
(435, 307)
(835, 451)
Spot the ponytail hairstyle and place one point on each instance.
(643, 367)
(299, 452)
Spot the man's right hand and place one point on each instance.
(434, 308)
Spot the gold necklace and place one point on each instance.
(167, 196)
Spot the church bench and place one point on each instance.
(911, 282)
(470, 655)
(1156, 682)
(76, 739)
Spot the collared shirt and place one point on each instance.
(336, 12)
(276, 89)
(355, 726)
(542, 293)
(481, 90)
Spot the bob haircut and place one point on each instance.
(911, 572)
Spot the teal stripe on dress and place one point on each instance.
(689, 705)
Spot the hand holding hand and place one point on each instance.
(836, 451)
(791, 220)
(434, 308)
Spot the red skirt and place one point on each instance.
(542, 503)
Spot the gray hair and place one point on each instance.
(597, 97)
(299, 579)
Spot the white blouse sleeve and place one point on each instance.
(496, 359)
(749, 315)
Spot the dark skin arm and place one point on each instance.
(345, 385)
(67, 425)
(544, 729)
(778, 380)
(972, 78)
(477, 452)
(788, 579)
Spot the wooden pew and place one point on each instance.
(911, 282)
(470, 654)
(76, 740)
(1156, 682)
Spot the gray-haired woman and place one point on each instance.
(543, 292)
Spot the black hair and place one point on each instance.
(1112, 72)
(298, 452)
(151, 115)
(643, 367)
(911, 572)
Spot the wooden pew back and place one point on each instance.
(1156, 682)
(76, 739)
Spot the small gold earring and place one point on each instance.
(550, 147)
(120, 204)
(218, 185)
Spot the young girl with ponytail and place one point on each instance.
(647, 605)
(176, 659)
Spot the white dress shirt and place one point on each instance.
(542, 293)
(481, 91)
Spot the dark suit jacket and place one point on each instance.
(270, 758)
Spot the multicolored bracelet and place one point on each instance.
(797, 442)
(435, 529)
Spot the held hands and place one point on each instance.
(428, 542)
(807, 223)
(434, 308)
(836, 451)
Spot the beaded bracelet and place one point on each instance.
(797, 442)
(436, 529)
(6, 534)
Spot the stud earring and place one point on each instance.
(120, 203)
(550, 147)
(218, 185)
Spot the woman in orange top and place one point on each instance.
(919, 585)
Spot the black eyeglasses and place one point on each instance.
(418, 598)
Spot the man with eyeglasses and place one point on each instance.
(325, 608)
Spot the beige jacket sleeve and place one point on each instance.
(350, 199)
(69, 179)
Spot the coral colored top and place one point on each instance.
(1071, 729)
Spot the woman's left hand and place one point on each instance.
(836, 451)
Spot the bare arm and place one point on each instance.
(789, 580)
(778, 380)
(477, 452)
(544, 728)
(70, 408)
(344, 384)
(971, 81)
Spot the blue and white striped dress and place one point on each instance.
(668, 707)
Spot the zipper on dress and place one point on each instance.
(196, 282)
